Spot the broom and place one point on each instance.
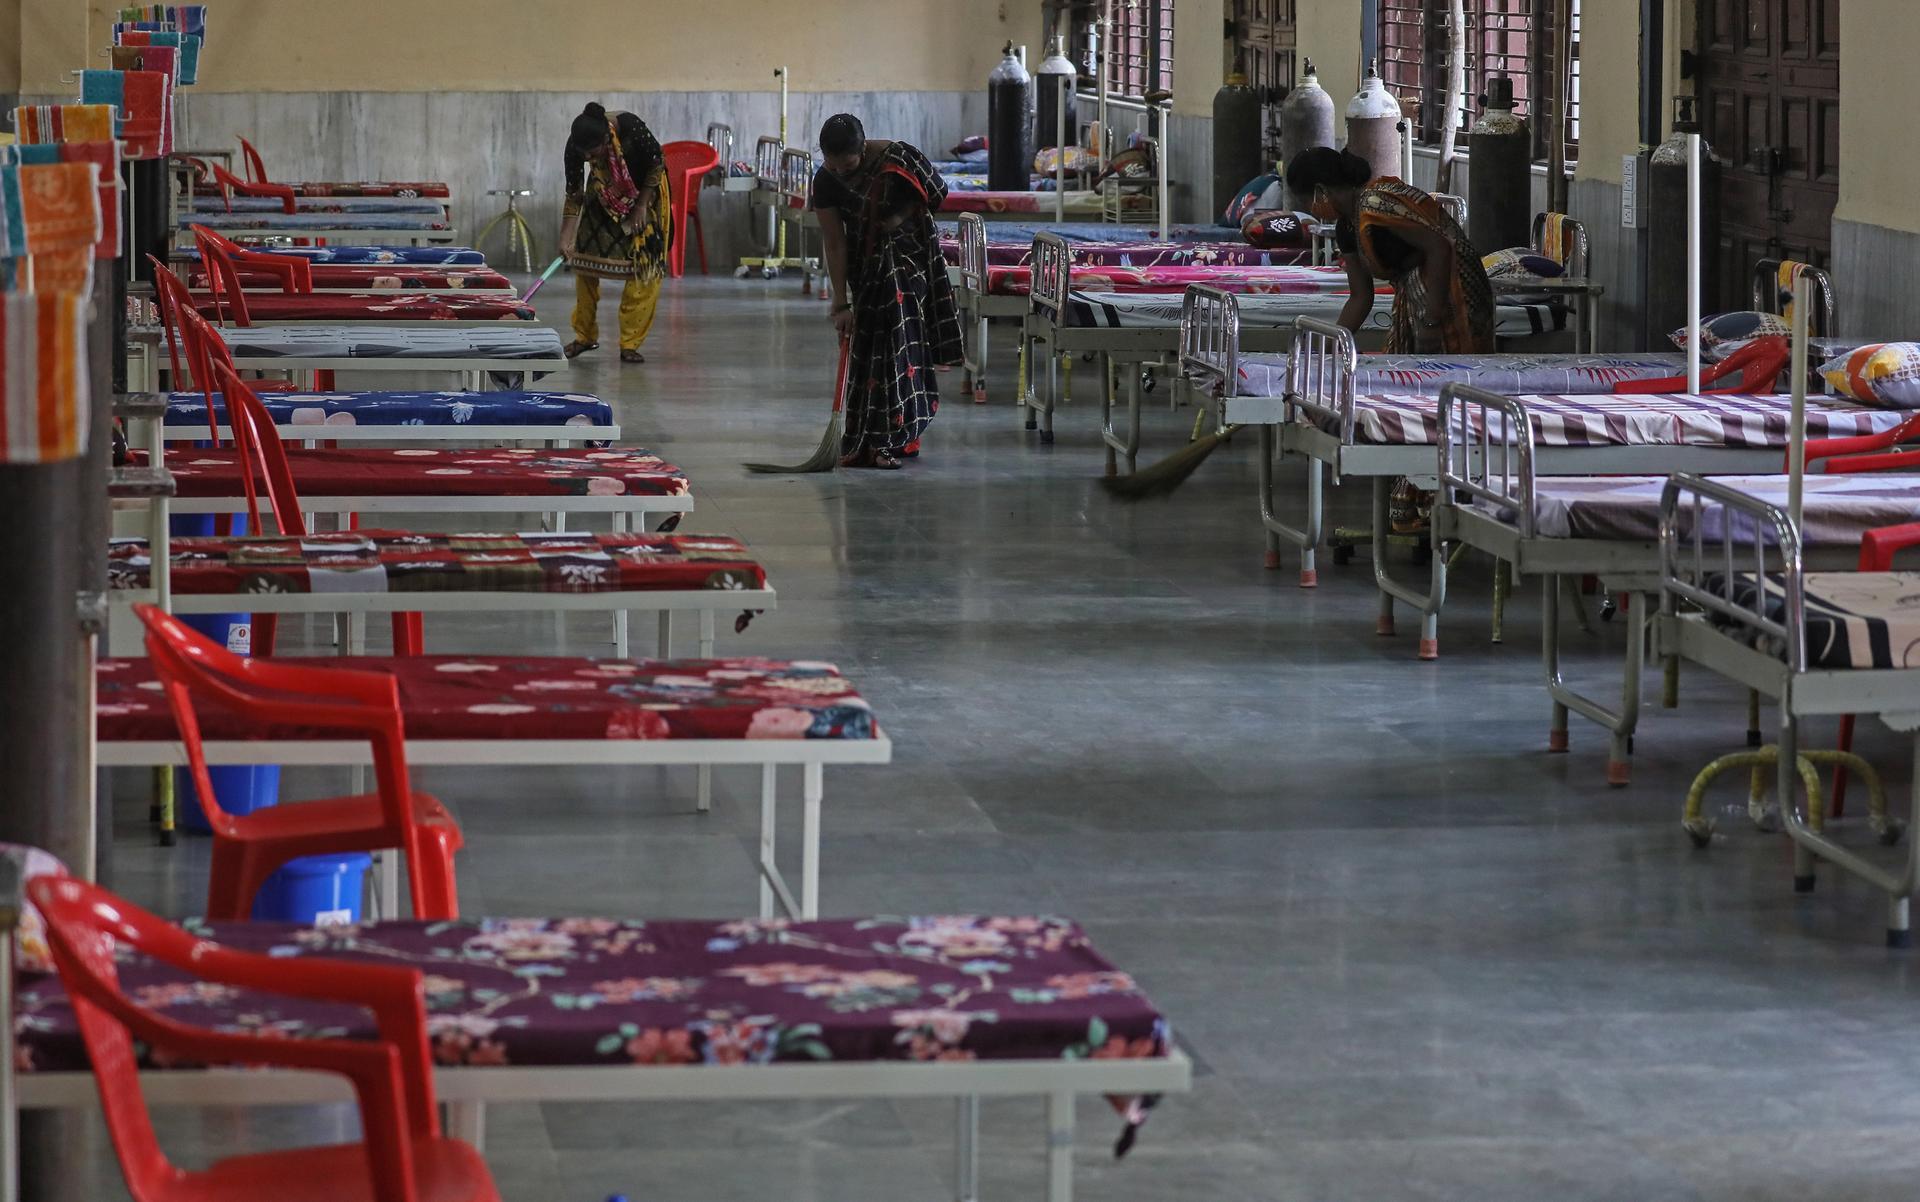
(826, 456)
(544, 277)
(1162, 478)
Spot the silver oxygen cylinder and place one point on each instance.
(1500, 178)
(1306, 121)
(1055, 69)
(1373, 119)
(1010, 126)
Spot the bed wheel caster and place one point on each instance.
(669, 526)
(1383, 627)
(1308, 577)
(1046, 437)
(1146, 381)
(1803, 884)
(1429, 649)
(1557, 741)
(1619, 773)
(1342, 554)
(1608, 610)
(769, 273)
(1900, 940)
(1753, 738)
(1699, 832)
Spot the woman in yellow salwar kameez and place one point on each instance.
(618, 225)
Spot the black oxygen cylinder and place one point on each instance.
(1236, 139)
(1047, 78)
(1667, 230)
(1010, 126)
(1500, 173)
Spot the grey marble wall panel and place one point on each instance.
(1874, 279)
(481, 140)
(1190, 161)
(1616, 263)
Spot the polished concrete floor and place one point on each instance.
(1412, 955)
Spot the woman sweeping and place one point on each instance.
(892, 301)
(1390, 230)
(617, 225)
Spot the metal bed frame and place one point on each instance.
(780, 174)
(720, 137)
(1891, 694)
(1320, 394)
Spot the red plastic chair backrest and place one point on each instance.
(256, 170)
(294, 273)
(274, 693)
(172, 299)
(260, 450)
(391, 1073)
(687, 162)
(223, 279)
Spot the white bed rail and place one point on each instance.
(1320, 372)
(1686, 561)
(766, 161)
(1051, 275)
(1210, 340)
(973, 253)
(1486, 450)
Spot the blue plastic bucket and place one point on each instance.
(315, 890)
(240, 788)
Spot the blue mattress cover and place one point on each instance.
(1097, 231)
(412, 256)
(407, 409)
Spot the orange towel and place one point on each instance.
(60, 203)
(64, 123)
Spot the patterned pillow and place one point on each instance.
(1724, 333)
(1248, 199)
(1880, 373)
(966, 146)
(30, 951)
(1079, 158)
(1274, 229)
(1521, 263)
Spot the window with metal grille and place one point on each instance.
(1503, 37)
(1139, 45)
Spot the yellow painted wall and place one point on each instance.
(1609, 87)
(52, 40)
(1199, 55)
(9, 45)
(1328, 32)
(616, 45)
(1878, 88)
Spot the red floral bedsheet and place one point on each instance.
(371, 306)
(436, 472)
(389, 561)
(542, 697)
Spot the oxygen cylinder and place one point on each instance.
(1306, 121)
(1236, 140)
(1373, 117)
(1500, 177)
(1667, 229)
(1010, 126)
(1047, 80)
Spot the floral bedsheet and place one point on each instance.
(404, 408)
(441, 472)
(370, 306)
(503, 697)
(373, 275)
(391, 561)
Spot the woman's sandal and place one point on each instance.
(632, 357)
(877, 460)
(576, 348)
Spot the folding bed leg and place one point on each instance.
(1026, 382)
(1753, 717)
(1789, 784)
(966, 1150)
(703, 788)
(769, 828)
(1620, 750)
(1316, 486)
(980, 369)
(1550, 659)
(389, 884)
(663, 642)
(813, 790)
(1060, 1147)
(468, 1121)
(620, 647)
(1382, 488)
(706, 634)
(1502, 589)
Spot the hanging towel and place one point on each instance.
(147, 114)
(43, 369)
(44, 123)
(103, 87)
(105, 156)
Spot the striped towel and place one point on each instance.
(189, 19)
(126, 37)
(106, 156)
(43, 370)
(43, 123)
(52, 213)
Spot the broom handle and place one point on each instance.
(840, 385)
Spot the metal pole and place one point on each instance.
(1160, 140)
(1562, 83)
(1694, 251)
(1065, 86)
(1797, 427)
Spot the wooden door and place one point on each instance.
(1263, 43)
(1770, 89)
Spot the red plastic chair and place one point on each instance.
(248, 848)
(687, 164)
(230, 184)
(404, 1158)
(255, 169)
(1759, 364)
(259, 446)
(294, 273)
